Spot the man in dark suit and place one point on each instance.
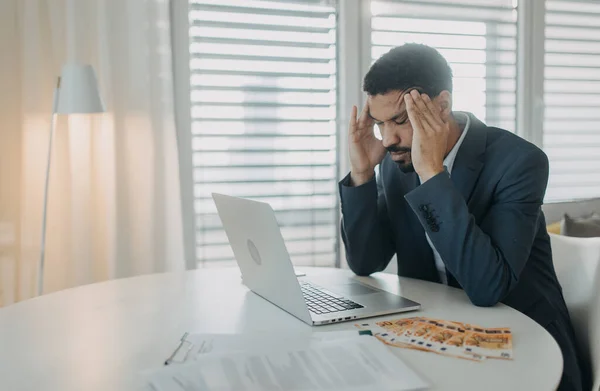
(458, 202)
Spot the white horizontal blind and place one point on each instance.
(263, 77)
(477, 37)
(572, 99)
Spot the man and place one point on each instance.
(458, 202)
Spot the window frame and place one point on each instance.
(180, 57)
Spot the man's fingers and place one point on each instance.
(433, 108)
(353, 116)
(413, 113)
(418, 107)
(435, 113)
(365, 119)
(365, 110)
(425, 114)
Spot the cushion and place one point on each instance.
(555, 211)
(554, 228)
(581, 227)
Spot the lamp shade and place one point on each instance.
(78, 91)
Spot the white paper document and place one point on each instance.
(195, 345)
(358, 363)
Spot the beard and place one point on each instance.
(406, 168)
(405, 165)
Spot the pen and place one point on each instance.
(181, 342)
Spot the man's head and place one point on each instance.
(402, 69)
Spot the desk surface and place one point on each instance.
(99, 336)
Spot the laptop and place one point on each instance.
(264, 261)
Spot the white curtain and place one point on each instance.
(114, 205)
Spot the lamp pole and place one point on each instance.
(76, 92)
(40, 283)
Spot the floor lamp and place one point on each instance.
(76, 92)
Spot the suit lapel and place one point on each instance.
(469, 160)
(468, 166)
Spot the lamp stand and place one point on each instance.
(40, 284)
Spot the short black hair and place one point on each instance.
(409, 65)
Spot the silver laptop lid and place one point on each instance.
(260, 251)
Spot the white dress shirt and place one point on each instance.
(461, 118)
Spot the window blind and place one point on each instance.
(572, 99)
(478, 38)
(263, 77)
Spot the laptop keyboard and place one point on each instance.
(320, 302)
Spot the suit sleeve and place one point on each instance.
(365, 227)
(486, 259)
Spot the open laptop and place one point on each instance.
(267, 270)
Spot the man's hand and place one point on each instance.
(365, 150)
(430, 135)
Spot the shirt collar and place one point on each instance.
(461, 118)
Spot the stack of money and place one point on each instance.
(448, 338)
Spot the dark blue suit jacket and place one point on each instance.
(485, 220)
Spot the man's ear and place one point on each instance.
(444, 102)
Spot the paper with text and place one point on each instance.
(356, 364)
(196, 344)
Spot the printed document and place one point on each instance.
(359, 363)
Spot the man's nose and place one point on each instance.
(389, 138)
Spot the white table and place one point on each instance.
(98, 337)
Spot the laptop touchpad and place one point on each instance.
(353, 289)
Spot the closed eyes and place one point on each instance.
(397, 122)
